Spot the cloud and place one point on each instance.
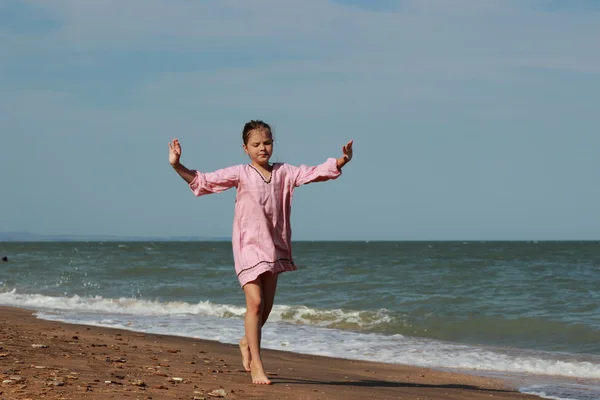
(438, 36)
(187, 24)
(431, 87)
(312, 55)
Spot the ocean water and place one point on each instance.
(527, 312)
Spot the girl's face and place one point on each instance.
(259, 147)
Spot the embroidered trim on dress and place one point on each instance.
(265, 262)
(261, 175)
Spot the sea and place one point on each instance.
(525, 312)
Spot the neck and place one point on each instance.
(266, 166)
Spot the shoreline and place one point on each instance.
(56, 360)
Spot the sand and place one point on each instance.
(51, 360)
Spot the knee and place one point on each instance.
(254, 305)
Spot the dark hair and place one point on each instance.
(252, 125)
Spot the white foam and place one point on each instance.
(293, 314)
(565, 390)
(545, 395)
(329, 318)
(301, 330)
(118, 306)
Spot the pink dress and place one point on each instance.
(262, 234)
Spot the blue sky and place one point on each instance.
(472, 119)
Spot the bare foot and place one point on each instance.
(258, 374)
(246, 357)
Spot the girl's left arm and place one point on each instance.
(330, 169)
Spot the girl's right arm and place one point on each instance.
(203, 183)
(183, 172)
(174, 156)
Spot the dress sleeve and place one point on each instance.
(323, 172)
(215, 182)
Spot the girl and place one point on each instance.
(261, 229)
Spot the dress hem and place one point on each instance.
(276, 267)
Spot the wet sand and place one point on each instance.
(51, 360)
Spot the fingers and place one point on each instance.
(348, 147)
(174, 145)
(174, 151)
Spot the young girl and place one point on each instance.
(261, 228)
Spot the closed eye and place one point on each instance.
(258, 144)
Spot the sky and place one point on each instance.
(471, 119)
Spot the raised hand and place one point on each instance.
(347, 150)
(174, 152)
(347, 155)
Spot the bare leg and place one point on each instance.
(269, 286)
(246, 356)
(253, 324)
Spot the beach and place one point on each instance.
(478, 309)
(55, 360)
